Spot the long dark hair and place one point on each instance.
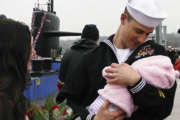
(15, 50)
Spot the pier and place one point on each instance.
(175, 115)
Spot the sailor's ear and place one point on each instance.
(123, 18)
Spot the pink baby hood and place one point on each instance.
(156, 70)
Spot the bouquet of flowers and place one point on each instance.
(50, 111)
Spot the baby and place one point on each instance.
(155, 70)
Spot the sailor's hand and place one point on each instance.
(105, 114)
(122, 74)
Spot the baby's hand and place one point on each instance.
(105, 74)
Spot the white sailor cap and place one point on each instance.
(146, 12)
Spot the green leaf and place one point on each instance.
(50, 102)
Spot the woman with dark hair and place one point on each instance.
(15, 56)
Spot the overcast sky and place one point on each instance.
(74, 14)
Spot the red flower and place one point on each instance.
(64, 112)
(54, 107)
(41, 108)
(30, 112)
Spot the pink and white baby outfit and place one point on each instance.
(155, 70)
